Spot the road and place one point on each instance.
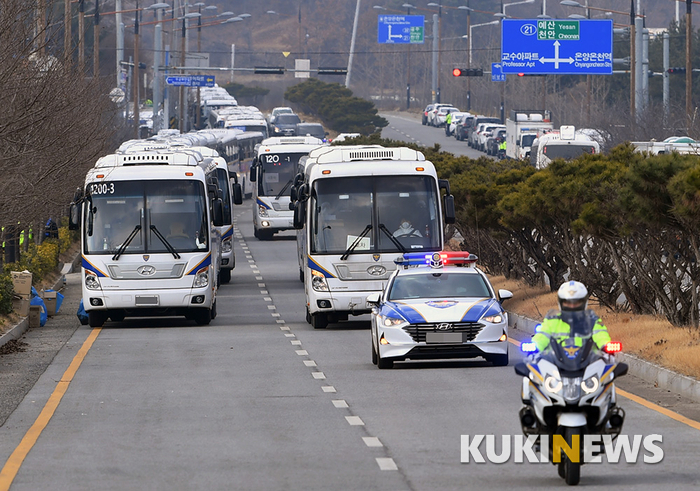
(260, 400)
(407, 127)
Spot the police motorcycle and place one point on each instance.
(568, 392)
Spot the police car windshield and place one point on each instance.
(438, 285)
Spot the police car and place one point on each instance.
(438, 305)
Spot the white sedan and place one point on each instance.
(438, 305)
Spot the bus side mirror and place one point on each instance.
(253, 173)
(237, 194)
(303, 192)
(74, 216)
(450, 216)
(218, 210)
(233, 175)
(299, 215)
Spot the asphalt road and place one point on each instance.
(404, 126)
(260, 400)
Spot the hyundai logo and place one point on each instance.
(146, 270)
(445, 326)
(376, 270)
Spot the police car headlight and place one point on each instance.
(590, 385)
(390, 321)
(262, 211)
(494, 319)
(226, 245)
(91, 280)
(201, 279)
(318, 281)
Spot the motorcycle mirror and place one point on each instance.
(620, 369)
(522, 369)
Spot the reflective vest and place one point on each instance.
(553, 327)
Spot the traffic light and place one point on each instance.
(468, 72)
(269, 70)
(332, 71)
(676, 70)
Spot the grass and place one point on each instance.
(651, 338)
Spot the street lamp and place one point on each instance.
(408, 8)
(439, 6)
(467, 37)
(157, 48)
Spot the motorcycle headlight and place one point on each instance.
(201, 278)
(226, 245)
(552, 384)
(494, 319)
(571, 389)
(390, 321)
(590, 385)
(318, 281)
(91, 280)
(262, 211)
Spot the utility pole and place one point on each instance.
(181, 102)
(688, 62)
(81, 36)
(96, 42)
(67, 41)
(633, 112)
(137, 116)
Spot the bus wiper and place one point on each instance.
(167, 244)
(284, 189)
(398, 244)
(126, 243)
(356, 242)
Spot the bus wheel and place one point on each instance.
(202, 317)
(97, 318)
(265, 234)
(213, 310)
(225, 275)
(319, 321)
(301, 276)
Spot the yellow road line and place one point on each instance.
(650, 405)
(11, 468)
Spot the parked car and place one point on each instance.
(441, 115)
(285, 125)
(494, 141)
(471, 138)
(456, 119)
(311, 129)
(486, 133)
(461, 131)
(424, 119)
(433, 113)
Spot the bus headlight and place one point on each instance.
(318, 281)
(262, 211)
(201, 279)
(91, 280)
(226, 245)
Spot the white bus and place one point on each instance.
(357, 208)
(238, 149)
(273, 172)
(148, 236)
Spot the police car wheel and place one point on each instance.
(384, 363)
(374, 355)
(499, 360)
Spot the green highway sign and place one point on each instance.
(558, 30)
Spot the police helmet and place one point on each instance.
(572, 296)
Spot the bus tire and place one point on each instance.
(225, 276)
(265, 234)
(97, 318)
(308, 316)
(213, 310)
(301, 276)
(202, 317)
(319, 321)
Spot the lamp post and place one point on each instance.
(157, 49)
(469, 79)
(408, 8)
(439, 6)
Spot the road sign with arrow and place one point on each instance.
(559, 47)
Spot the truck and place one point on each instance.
(566, 143)
(522, 127)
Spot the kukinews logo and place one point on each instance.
(587, 449)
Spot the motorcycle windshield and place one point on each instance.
(573, 352)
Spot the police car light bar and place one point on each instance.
(437, 259)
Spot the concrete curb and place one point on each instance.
(21, 327)
(659, 376)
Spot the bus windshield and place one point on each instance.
(401, 209)
(277, 172)
(151, 210)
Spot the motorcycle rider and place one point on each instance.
(573, 300)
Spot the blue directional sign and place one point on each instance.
(400, 29)
(553, 46)
(190, 80)
(497, 74)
